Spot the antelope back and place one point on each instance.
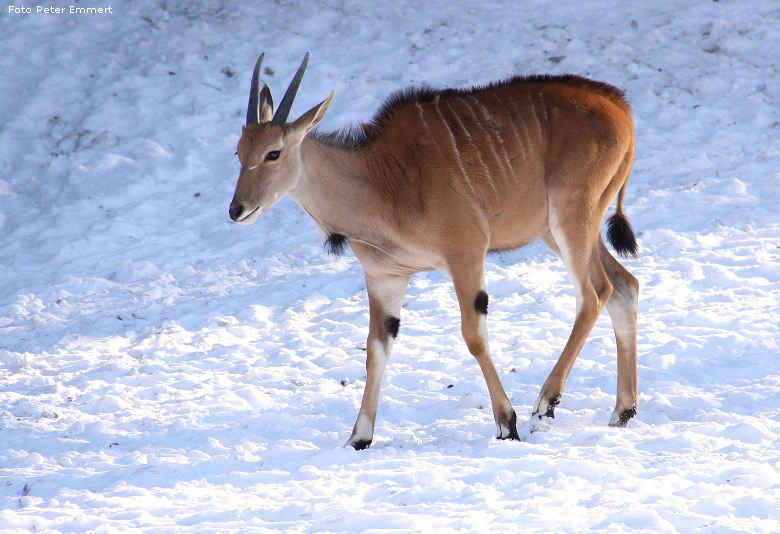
(494, 150)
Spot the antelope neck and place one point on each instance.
(333, 188)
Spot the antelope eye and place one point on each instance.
(273, 155)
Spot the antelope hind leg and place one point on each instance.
(622, 308)
(593, 290)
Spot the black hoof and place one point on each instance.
(361, 445)
(624, 418)
(513, 435)
(540, 422)
(550, 412)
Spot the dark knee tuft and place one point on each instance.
(392, 324)
(481, 302)
(336, 244)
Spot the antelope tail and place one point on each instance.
(619, 232)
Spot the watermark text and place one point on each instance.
(51, 10)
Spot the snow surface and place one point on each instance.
(164, 370)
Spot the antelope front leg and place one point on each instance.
(473, 299)
(385, 294)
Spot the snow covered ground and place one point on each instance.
(164, 370)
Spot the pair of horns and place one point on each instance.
(260, 99)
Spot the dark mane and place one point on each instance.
(361, 135)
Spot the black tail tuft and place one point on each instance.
(621, 235)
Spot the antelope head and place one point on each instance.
(270, 148)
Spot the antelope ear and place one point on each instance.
(265, 109)
(306, 122)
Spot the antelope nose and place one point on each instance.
(236, 210)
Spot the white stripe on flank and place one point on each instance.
(514, 117)
(522, 120)
(455, 149)
(544, 108)
(470, 139)
(488, 174)
(536, 118)
(489, 137)
(425, 124)
(460, 123)
(507, 118)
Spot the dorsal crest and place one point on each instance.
(363, 134)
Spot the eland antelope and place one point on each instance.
(440, 178)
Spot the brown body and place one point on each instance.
(440, 178)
